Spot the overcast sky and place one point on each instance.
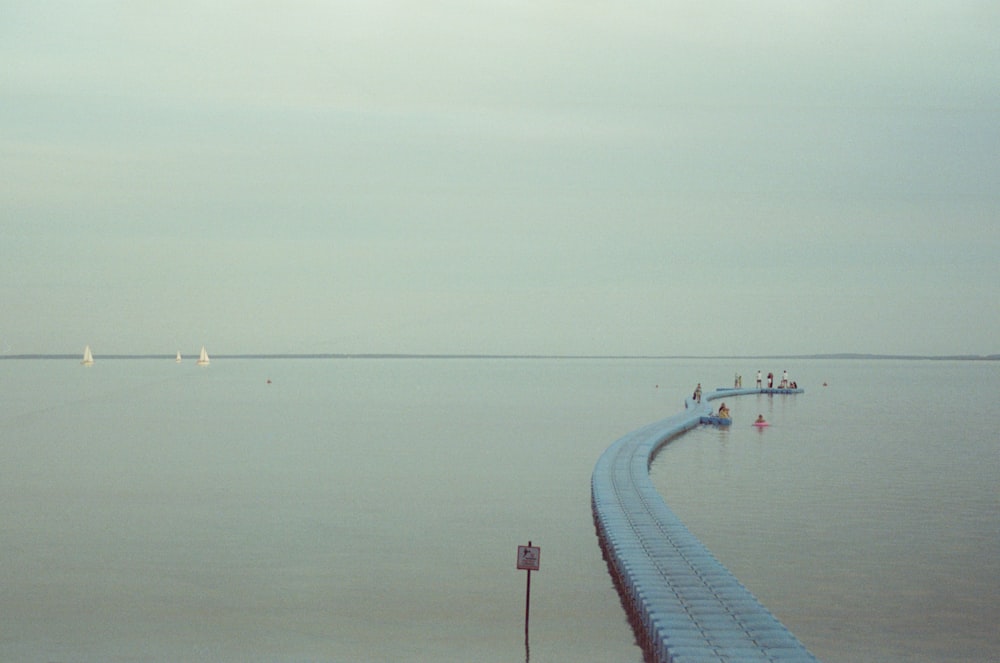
(524, 177)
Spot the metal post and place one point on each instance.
(527, 603)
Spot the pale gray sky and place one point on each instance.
(533, 177)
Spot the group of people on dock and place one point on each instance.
(723, 412)
(784, 384)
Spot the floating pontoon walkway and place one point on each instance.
(684, 604)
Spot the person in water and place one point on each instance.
(760, 419)
(723, 411)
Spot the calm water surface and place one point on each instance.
(370, 510)
(867, 516)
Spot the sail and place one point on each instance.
(88, 357)
(203, 357)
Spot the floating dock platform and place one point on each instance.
(684, 605)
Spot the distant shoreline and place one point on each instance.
(836, 356)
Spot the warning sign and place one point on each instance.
(528, 557)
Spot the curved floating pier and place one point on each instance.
(683, 603)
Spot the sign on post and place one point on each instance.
(528, 557)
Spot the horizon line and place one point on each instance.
(392, 355)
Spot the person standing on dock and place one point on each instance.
(759, 381)
(770, 380)
(697, 393)
(784, 379)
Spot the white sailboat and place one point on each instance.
(178, 360)
(88, 357)
(203, 357)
